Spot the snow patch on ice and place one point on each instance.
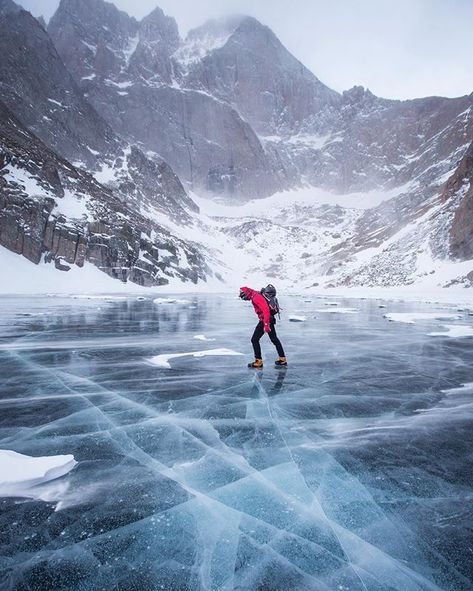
(338, 310)
(454, 331)
(163, 360)
(411, 317)
(202, 337)
(19, 473)
(98, 297)
(170, 301)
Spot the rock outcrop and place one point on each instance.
(460, 187)
(52, 211)
(39, 90)
(243, 63)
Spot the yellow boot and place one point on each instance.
(257, 364)
(281, 362)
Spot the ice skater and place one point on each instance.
(266, 307)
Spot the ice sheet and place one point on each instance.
(348, 470)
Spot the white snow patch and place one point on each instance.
(163, 360)
(72, 206)
(411, 317)
(170, 301)
(59, 104)
(338, 311)
(98, 297)
(30, 183)
(106, 175)
(202, 337)
(18, 472)
(21, 276)
(454, 331)
(195, 48)
(131, 48)
(299, 197)
(93, 48)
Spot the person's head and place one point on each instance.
(270, 290)
(245, 295)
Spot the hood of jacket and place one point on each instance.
(249, 292)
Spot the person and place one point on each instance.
(266, 307)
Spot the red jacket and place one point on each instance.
(260, 305)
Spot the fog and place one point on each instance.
(402, 49)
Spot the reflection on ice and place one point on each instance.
(349, 470)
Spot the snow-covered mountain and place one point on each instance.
(126, 71)
(52, 212)
(315, 188)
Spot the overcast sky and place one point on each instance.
(396, 48)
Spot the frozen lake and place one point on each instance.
(351, 470)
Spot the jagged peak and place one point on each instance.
(159, 24)
(225, 26)
(358, 92)
(214, 34)
(88, 11)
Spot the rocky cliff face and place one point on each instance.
(43, 102)
(127, 73)
(38, 89)
(459, 188)
(52, 212)
(36, 86)
(242, 62)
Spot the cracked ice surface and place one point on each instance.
(350, 470)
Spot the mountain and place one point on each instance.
(126, 72)
(326, 189)
(37, 87)
(242, 62)
(236, 114)
(51, 211)
(40, 97)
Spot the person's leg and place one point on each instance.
(259, 332)
(275, 340)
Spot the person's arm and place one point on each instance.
(262, 304)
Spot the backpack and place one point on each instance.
(272, 303)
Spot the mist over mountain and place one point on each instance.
(325, 189)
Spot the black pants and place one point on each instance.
(259, 332)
